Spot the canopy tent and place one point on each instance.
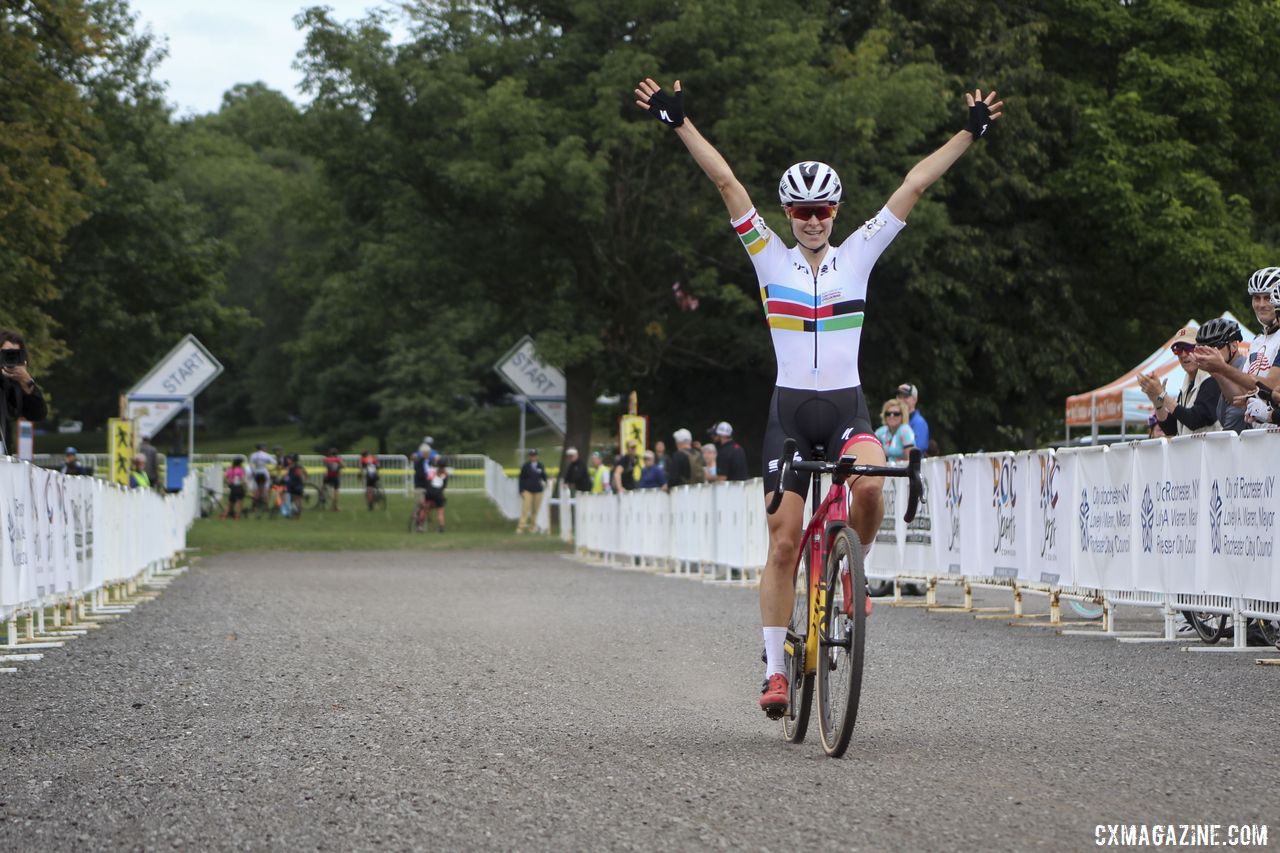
(1121, 401)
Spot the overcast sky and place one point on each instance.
(214, 45)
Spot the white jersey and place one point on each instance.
(260, 460)
(816, 320)
(1263, 353)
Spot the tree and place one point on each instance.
(47, 50)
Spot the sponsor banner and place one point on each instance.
(886, 557)
(1238, 515)
(1103, 523)
(16, 582)
(1166, 492)
(999, 548)
(946, 491)
(1047, 514)
(917, 540)
(41, 531)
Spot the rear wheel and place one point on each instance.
(1210, 626)
(841, 638)
(796, 721)
(311, 497)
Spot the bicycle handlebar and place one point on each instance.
(845, 468)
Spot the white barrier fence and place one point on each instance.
(68, 537)
(1181, 524)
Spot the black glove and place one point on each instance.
(979, 119)
(668, 109)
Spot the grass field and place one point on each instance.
(471, 522)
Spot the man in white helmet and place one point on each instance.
(1241, 386)
(814, 297)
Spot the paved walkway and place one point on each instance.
(344, 701)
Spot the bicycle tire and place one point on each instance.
(841, 644)
(796, 721)
(210, 506)
(1210, 626)
(311, 497)
(1270, 630)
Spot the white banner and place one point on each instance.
(917, 545)
(946, 482)
(1238, 520)
(1047, 509)
(886, 556)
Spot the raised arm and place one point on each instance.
(669, 109)
(982, 113)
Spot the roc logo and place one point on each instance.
(1084, 519)
(953, 469)
(1049, 469)
(1148, 520)
(1004, 499)
(1215, 519)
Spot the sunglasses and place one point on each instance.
(893, 414)
(1179, 349)
(803, 213)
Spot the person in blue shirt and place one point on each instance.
(910, 395)
(652, 476)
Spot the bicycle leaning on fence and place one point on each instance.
(826, 638)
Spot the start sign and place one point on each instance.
(182, 374)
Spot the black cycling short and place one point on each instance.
(370, 480)
(435, 496)
(829, 418)
(237, 493)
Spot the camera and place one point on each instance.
(1265, 394)
(13, 357)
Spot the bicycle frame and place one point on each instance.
(828, 516)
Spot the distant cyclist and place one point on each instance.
(814, 297)
(333, 476)
(260, 464)
(369, 467)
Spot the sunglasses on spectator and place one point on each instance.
(1180, 348)
(893, 414)
(803, 213)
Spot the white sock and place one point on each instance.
(866, 552)
(774, 654)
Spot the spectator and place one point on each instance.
(533, 479)
(71, 463)
(910, 395)
(427, 450)
(575, 477)
(1224, 337)
(1264, 352)
(332, 476)
(294, 479)
(22, 397)
(599, 475)
(709, 462)
(369, 466)
(731, 459)
(660, 454)
(138, 478)
(1196, 408)
(686, 467)
(260, 464)
(896, 436)
(236, 479)
(437, 479)
(626, 469)
(148, 450)
(651, 476)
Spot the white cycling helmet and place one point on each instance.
(810, 182)
(1264, 280)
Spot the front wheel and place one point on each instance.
(796, 721)
(311, 497)
(841, 639)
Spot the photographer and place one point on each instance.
(22, 398)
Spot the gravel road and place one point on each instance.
(461, 701)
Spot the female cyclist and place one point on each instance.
(814, 295)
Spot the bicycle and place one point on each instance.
(211, 504)
(419, 515)
(828, 621)
(375, 498)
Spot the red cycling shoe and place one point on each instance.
(775, 701)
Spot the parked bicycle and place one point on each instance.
(827, 635)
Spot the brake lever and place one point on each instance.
(915, 489)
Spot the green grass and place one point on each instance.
(471, 523)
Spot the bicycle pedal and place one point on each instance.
(775, 713)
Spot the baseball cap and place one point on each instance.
(908, 390)
(1186, 335)
(571, 451)
(69, 451)
(682, 435)
(533, 451)
(724, 429)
